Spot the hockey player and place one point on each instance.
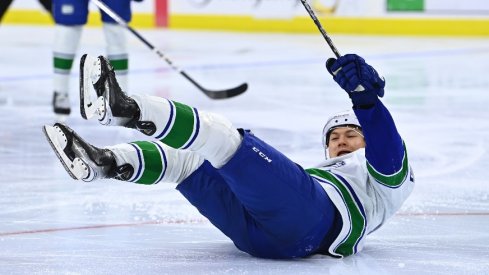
(70, 17)
(266, 204)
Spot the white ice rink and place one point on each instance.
(437, 90)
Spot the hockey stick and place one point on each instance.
(214, 94)
(320, 27)
(359, 88)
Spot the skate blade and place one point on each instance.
(87, 107)
(77, 169)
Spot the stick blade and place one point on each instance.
(224, 94)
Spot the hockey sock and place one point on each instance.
(183, 127)
(155, 162)
(115, 37)
(65, 46)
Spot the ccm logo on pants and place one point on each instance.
(261, 154)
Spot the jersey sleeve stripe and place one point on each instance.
(394, 180)
(358, 222)
(360, 207)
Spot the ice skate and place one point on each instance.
(80, 159)
(61, 104)
(112, 106)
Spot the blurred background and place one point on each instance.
(410, 17)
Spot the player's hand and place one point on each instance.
(360, 80)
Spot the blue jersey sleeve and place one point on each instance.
(384, 149)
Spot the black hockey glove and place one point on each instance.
(360, 80)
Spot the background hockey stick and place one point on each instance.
(309, 10)
(320, 27)
(214, 94)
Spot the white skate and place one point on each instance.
(81, 160)
(111, 105)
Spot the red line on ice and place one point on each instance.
(198, 221)
(49, 230)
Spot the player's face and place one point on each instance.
(344, 140)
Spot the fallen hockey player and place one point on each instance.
(265, 203)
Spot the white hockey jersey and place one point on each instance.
(364, 196)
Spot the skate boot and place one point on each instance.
(81, 160)
(61, 104)
(112, 106)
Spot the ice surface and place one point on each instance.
(437, 91)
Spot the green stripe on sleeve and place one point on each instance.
(395, 180)
(183, 127)
(153, 166)
(347, 247)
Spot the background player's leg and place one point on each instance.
(69, 16)
(66, 43)
(115, 37)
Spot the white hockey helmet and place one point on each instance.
(340, 119)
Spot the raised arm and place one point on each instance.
(385, 151)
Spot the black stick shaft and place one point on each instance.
(320, 27)
(123, 23)
(219, 94)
